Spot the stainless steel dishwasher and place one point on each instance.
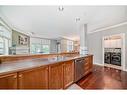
(79, 69)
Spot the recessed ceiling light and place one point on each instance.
(61, 8)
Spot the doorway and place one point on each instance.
(113, 47)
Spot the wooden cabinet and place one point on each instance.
(34, 79)
(88, 64)
(61, 75)
(56, 76)
(91, 62)
(8, 81)
(68, 70)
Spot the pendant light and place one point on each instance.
(61, 8)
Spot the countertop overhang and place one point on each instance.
(20, 65)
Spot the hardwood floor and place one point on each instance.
(104, 78)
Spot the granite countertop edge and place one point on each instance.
(8, 68)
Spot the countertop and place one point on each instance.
(16, 66)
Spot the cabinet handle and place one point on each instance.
(20, 75)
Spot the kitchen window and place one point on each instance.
(1, 46)
(40, 48)
(5, 40)
(45, 49)
(69, 46)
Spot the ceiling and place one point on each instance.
(49, 22)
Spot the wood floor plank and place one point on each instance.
(104, 78)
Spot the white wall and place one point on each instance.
(95, 42)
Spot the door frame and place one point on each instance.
(123, 50)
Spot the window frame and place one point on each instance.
(41, 48)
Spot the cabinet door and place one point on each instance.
(8, 81)
(119, 43)
(88, 64)
(106, 43)
(34, 79)
(56, 76)
(68, 73)
(91, 62)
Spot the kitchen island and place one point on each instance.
(56, 72)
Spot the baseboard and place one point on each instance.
(98, 64)
(103, 65)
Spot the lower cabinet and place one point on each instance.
(68, 76)
(8, 81)
(61, 75)
(33, 79)
(91, 62)
(56, 76)
(88, 64)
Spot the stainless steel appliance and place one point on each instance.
(107, 58)
(116, 57)
(112, 56)
(79, 68)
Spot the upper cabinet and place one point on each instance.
(20, 43)
(113, 43)
(20, 39)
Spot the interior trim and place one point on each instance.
(98, 64)
(109, 27)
